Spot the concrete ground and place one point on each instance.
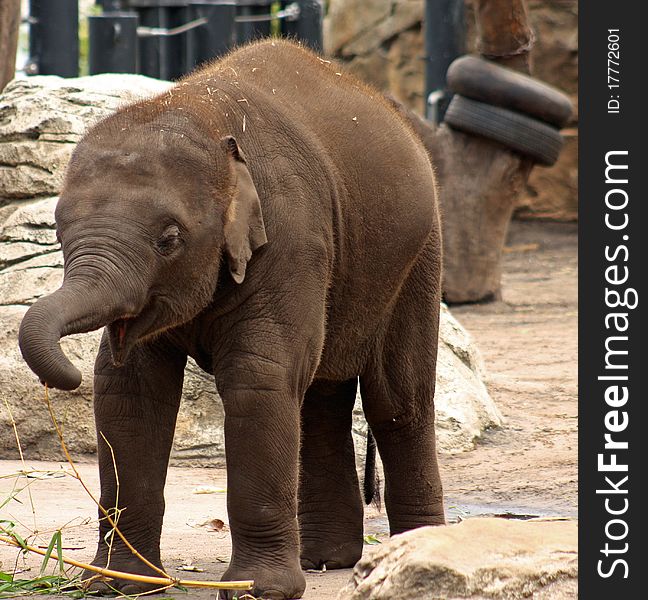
(527, 467)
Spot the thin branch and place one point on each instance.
(161, 581)
(106, 514)
(117, 510)
(22, 460)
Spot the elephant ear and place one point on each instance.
(244, 228)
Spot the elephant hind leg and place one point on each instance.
(397, 389)
(330, 506)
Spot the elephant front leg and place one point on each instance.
(262, 448)
(135, 411)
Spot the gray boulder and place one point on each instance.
(42, 109)
(478, 559)
(42, 118)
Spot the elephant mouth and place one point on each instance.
(125, 332)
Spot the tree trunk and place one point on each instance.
(504, 32)
(481, 180)
(9, 22)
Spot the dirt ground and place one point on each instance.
(527, 467)
(529, 343)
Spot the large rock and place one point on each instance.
(35, 144)
(463, 407)
(31, 266)
(478, 559)
(380, 42)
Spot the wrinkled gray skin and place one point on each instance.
(277, 222)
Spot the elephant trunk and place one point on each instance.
(71, 309)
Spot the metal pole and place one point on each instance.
(308, 27)
(246, 32)
(445, 33)
(112, 43)
(53, 38)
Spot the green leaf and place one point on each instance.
(6, 586)
(9, 498)
(20, 540)
(6, 576)
(59, 552)
(47, 585)
(48, 554)
(371, 539)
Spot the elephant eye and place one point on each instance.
(169, 241)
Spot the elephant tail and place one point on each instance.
(371, 483)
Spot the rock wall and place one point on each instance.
(41, 119)
(382, 42)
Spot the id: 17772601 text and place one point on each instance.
(614, 71)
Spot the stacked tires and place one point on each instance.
(508, 107)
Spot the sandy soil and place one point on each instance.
(529, 342)
(527, 467)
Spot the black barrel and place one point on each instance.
(54, 38)
(162, 56)
(308, 27)
(112, 43)
(214, 38)
(112, 5)
(248, 31)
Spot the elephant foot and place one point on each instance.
(104, 586)
(275, 584)
(316, 555)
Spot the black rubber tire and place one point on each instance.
(485, 81)
(518, 132)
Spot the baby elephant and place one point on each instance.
(277, 221)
